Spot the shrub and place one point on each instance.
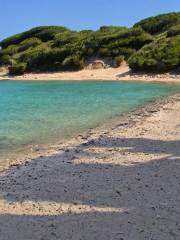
(44, 33)
(64, 38)
(17, 68)
(89, 51)
(11, 40)
(47, 34)
(5, 60)
(30, 42)
(174, 31)
(133, 38)
(126, 52)
(115, 52)
(73, 63)
(10, 50)
(160, 23)
(52, 47)
(118, 60)
(160, 56)
(44, 58)
(104, 52)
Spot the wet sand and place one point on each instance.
(116, 182)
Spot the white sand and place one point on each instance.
(118, 183)
(121, 73)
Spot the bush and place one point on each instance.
(64, 38)
(104, 52)
(51, 48)
(73, 63)
(115, 52)
(160, 23)
(44, 58)
(17, 68)
(10, 50)
(5, 60)
(30, 42)
(174, 31)
(134, 38)
(33, 57)
(89, 51)
(44, 33)
(126, 52)
(160, 56)
(118, 60)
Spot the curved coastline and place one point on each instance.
(110, 176)
(122, 73)
(120, 121)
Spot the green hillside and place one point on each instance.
(152, 44)
(163, 53)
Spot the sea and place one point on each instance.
(45, 112)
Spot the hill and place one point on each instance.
(152, 44)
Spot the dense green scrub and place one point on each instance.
(163, 54)
(150, 45)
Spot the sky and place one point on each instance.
(20, 15)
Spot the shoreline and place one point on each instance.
(101, 184)
(118, 180)
(124, 121)
(122, 73)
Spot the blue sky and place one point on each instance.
(20, 15)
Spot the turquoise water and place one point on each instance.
(33, 112)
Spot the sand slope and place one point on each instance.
(118, 183)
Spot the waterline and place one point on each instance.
(37, 112)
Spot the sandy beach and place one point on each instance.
(116, 182)
(121, 73)
(90, 120)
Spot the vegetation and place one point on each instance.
(150, 45)
(160, 23)
(43, 33)
(160, 56)
(163, 54)
(118, 60)
(17, 68)
(174, 31)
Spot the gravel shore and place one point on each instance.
(119, 182)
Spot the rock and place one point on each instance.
(97, 64)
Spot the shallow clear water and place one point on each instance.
(33, 112)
